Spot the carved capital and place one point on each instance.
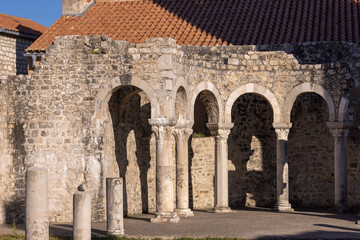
(162, 133)
(282, 133)
(340, 134)
(220, 131)
(182, 134)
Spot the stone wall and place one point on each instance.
(12, 59)
(252, 152)
(60, 118)
(311, 154)
(202, 172)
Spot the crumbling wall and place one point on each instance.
(60, 119)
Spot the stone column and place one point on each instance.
(114, 206)
(163, 129)
(37, 204)
(182, 135)
(282, 167)
(221, 132)
(82, 216)
(340, 155)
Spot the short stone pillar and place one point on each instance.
(221, 133)
(340, 133)
(82, 216)
(163, 129)
(182, 134)
(282, 184)
(114, 206)
(37, 204)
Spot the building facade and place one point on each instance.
(191, 112)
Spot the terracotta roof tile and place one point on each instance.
(214, 22)
(22, 25)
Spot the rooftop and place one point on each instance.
(21, 25)
(213, 22)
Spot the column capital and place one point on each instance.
(182, 133)
(344, 125)
(220, 130)
(282, 130)
(282, 133)
(162, 127)
(162, 122)
(339, 134)
(282, 125)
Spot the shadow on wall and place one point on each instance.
(130, 110)
(311, 154)
(15, 210)
(21, 60)
(252, 152)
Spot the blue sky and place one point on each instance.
(45, 12)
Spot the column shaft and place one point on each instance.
(82, 216)
(182, 172)
(221, 133)
(282, 167)
(114, 206)
(340, 157)
(37, 204)
(164, 172)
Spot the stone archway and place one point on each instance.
(252, 153)
(304, 88)
(122, 111)
(311, 152)
(253, 88)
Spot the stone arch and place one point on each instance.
(343, 109)
(181, 84)
(304, 88)
(181, 104)
(102, 98)
(257, 89)
(210, 87)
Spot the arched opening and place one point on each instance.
(311, 153)
(252, 153)
(181, 104)
(130, 110)
(202, 152)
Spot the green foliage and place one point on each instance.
(198, 135)
(95, 51)
(15, 234)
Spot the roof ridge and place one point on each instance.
(15, 16)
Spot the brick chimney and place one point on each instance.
(75, 7)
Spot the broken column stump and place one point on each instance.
(37, 204)
(82, 216)
(114, 206)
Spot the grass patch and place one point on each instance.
(110, 237)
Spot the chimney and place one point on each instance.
(75, 7)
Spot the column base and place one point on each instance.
(117, 232)
(222, 210)
(283, 207)
(165, 218)
(341, 208)
(184, 212)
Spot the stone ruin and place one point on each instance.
(185, 127)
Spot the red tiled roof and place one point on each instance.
(214, 22)
(22, 25)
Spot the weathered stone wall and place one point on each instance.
(311, 154)
(252, 152)
(12, 50)
(202, 175)
(62, 120)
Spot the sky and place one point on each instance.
(45, 12)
